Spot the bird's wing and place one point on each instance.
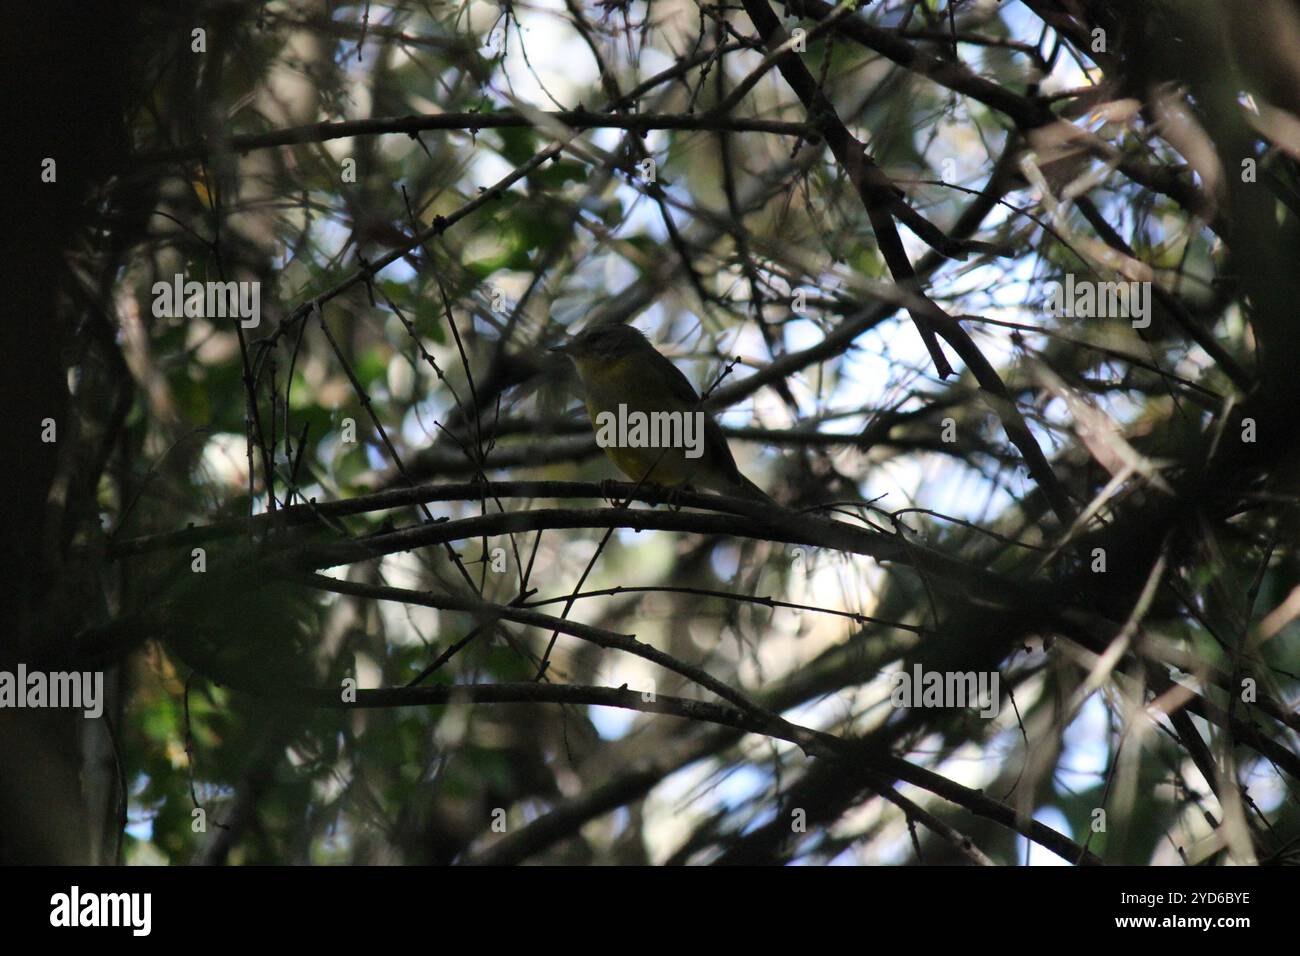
(715, 443)
(678, 383)
(718, 451)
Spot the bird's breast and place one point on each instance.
(634, 384)
(630, 381)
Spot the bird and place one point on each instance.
(622, 375)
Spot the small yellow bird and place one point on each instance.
(647, 415)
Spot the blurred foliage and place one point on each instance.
(708, 259)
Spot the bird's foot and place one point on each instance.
(608, 491)
(673, 500)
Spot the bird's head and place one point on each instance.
(604, 342)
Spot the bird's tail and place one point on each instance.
(747, 489)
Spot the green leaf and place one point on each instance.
(556, 175)
(518, 144)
